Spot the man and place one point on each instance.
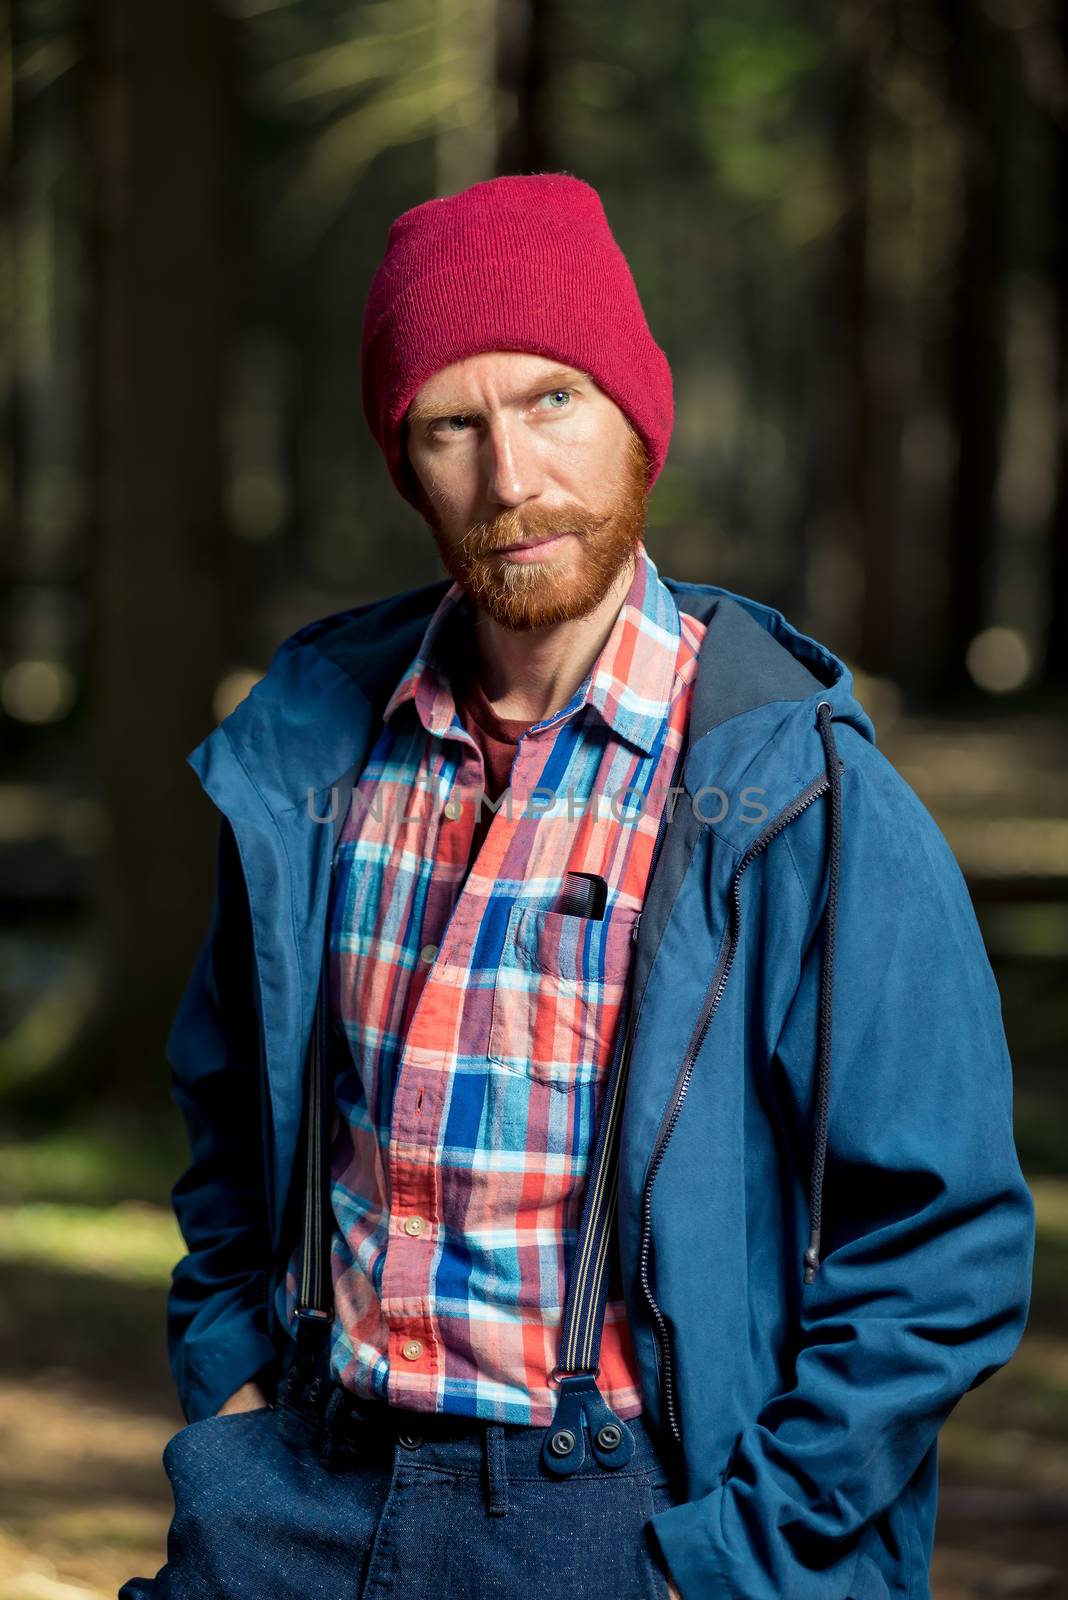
(650, 1195)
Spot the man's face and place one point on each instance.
(533, 482)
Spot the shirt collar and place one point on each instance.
(629, 685)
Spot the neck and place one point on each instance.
(530, 675)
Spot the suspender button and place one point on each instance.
(562, 1442)
(609, 1436)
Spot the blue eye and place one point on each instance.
(557, 394)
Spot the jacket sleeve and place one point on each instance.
(928, 1225)
(217, 1312)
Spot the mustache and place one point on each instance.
(512, 527)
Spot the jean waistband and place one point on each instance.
(372, 1430)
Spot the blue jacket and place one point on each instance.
(803, 1416)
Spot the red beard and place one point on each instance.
(521, 595)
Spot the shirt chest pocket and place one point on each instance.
(558, 992)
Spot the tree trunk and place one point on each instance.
(976, 343)
(1056, 653)
(860, 492)
(524, 72)
(158, 97)
(8, 234)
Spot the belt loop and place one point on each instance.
(496, 1471)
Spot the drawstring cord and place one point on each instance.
(823, 1071)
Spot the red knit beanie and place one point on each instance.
(520, 263)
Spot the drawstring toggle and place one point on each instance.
(812, 1256)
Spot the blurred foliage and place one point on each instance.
(848, 223)
(130, 1243)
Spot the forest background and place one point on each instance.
(849, 226)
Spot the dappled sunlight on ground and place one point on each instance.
(85, 1500)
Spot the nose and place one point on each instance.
(513, 471)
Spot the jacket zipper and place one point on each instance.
(667, 1127)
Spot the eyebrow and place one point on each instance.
(558, 378)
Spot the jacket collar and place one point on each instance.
(307, 722)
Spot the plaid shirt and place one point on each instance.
(479, 1007)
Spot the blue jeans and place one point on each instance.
(328, 1496)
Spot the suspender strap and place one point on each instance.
(612, 1442)
(587, 1287)
(314, 1310)
(563, 1450)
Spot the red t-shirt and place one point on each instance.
(497, 738)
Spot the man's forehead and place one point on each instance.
(515, 373)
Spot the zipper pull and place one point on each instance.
(634, 929)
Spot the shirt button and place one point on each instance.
(428, 952)
(453, 809)
(412, 1350)
(414, 1226)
